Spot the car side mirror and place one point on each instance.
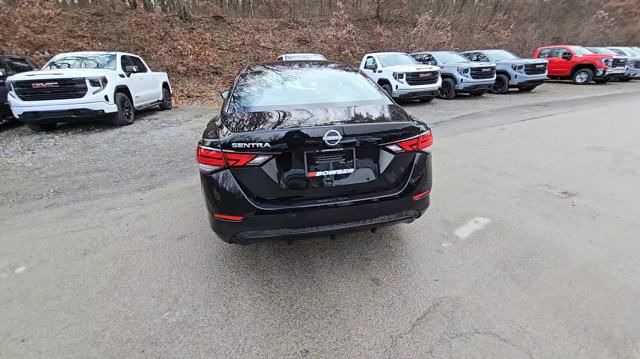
(224, 94)
(130, 70)
(567, 56)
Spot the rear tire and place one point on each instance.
(582, 76)
(42, 127)
(448, 89)
(601, 81)
(126, 113)
(501, 86)
(166, 103)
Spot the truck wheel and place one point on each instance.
(501, 86)
(387, 89)
(166, 103)
(126, 113)
(601, 81)
(448, 89)
(625, 79)
(582, 76)
(42, 127)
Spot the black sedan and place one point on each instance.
(311, 148)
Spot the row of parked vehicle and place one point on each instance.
(445, 74)
(82, 86)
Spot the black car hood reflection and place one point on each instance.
(239, 122)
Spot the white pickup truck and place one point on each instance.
(85, 86)
(401, 76)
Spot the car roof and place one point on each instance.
(554, 46)
(482, 50)
(387, 53)
(280, 65)
(94, 53)
(301, 53)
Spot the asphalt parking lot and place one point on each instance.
(529, 249)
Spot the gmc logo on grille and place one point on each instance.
(485, 70)
(424, 74)
(43, 85)
(539, 66)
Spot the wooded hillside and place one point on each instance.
(202, 44)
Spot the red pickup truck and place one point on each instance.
(580, 65)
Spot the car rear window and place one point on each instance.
(266, 87)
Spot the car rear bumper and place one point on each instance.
(224, 196)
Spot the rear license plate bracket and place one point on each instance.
(332, 162)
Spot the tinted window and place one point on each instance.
(139, 64)
(5, 69)
(426, 59)
(370, 62)
(19, 65)
(396, 59)
(544, 53)
(272, 87)
(105, 61)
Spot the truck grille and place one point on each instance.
(486, 72)
(54, 89)
(422, 78)
(619, 62)
(535, 69)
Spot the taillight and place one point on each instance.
(213, 159)
(417, 143)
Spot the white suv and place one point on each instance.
(84, 86)
(401, 76)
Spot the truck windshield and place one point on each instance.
(396, 59)
(579, 50)
(497, 55)
(602, 50)
(101, 61)
(449, 57)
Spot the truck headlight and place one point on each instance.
(606, 62)
(464, 71)
(10, 89)
(99, 82)
(398, 76)
(518, 68)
